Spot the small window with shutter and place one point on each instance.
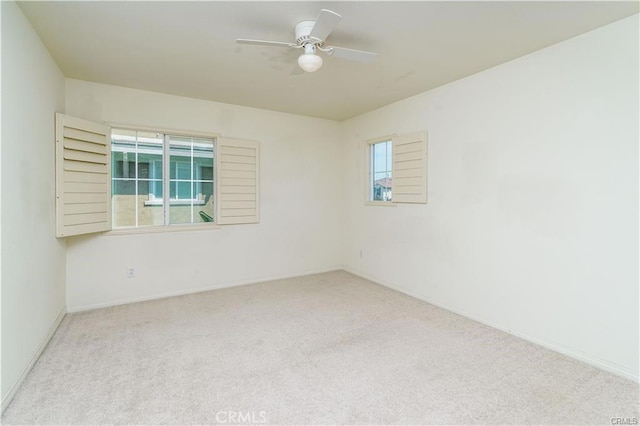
(397, 170)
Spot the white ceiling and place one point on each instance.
(188, 48)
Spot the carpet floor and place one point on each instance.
(322, 349)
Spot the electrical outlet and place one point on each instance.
(131, 272)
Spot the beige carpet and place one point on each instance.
(323, 349)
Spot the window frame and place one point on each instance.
(369, 178)
(160, 201)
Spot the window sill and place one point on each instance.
(160, 229)
(381, 203)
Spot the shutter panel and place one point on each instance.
(410, 168)
(237, 181)
(83, 176)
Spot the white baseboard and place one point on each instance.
(12, 392)
(570, 352)
(126, 301)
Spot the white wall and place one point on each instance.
(33, 260)
(532, 221)
(300, 205)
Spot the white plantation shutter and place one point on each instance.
(410, 168)
(83, 176)
(238, 175)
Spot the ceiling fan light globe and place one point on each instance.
(310, 62)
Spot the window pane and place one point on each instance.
(150, 139)
(380, 169)
(380, 157)
(150, 154)
(150, 161)
(154, 189)
(380, 177)
(150, 211)
(181, 167)
(382, 187)
(123, 164)
(180, 212)
(180, 161)
(124, 203)
(123, 157)
(205, 172)
(203, 210)
(137, 178)
(191, 179)
(180, 190)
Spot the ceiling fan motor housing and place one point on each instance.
(303, 31)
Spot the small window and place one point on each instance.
(380, 181)
(149, 168)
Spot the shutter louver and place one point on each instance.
(238, 175)
(410, 168)
(83, 176)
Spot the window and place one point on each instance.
(397, 170)
(380, 171)
(129, 179)
(149, 169)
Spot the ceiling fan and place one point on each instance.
(311, 36)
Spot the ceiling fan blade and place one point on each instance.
(265, 42)
(352, 54)
(325, 24)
